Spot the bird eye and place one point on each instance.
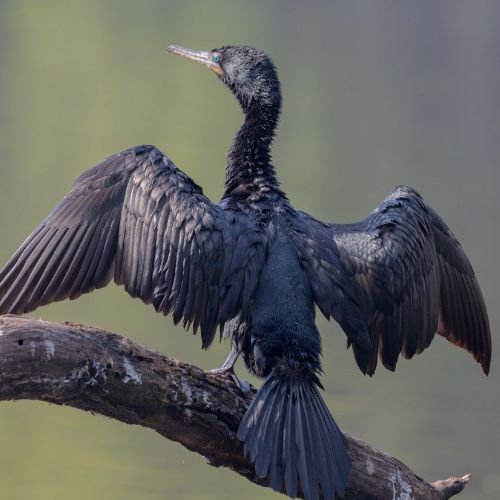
(216, 58)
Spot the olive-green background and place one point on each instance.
(376, 93)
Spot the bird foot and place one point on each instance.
(244, 386)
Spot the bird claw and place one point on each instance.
(245, 387)
(221, 371)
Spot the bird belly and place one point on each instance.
(280, 331)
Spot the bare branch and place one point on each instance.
(99, 371)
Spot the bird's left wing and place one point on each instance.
(139, 219)
(408, 276)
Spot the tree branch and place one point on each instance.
(99, 371)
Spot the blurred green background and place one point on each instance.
(375, 94)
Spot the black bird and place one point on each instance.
(256, 267)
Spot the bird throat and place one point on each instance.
(249, 172)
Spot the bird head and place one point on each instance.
(249, 73)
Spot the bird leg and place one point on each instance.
(227, 368)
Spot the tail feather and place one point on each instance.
(338, 461)
(291, 447)
(276, 471)
(307, 474)
(263, 459)
(292, 438)
(327, 466)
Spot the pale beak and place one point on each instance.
(199, 56)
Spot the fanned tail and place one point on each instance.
(292, 438)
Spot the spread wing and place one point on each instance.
(139, 219)
(410, 279)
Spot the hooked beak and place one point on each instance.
(199, 56)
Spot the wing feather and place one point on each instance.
(407, 276)
(139, 219)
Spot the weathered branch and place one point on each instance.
(105, 373)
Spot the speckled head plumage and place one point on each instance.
(251, 76)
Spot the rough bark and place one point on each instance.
(102, 372)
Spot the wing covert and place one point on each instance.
(411, 279)
(172, 245)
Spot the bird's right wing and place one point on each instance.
(138, 218)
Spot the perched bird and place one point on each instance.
(256, 267)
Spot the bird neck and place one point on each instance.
(249, 172)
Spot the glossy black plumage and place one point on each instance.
(407, 275)
(281, 407)
(137, 218)
(255, 267)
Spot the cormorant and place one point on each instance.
(256, 267)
